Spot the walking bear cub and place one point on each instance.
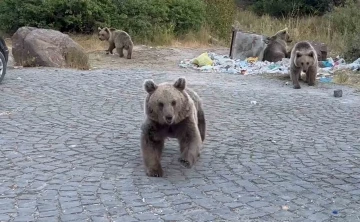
(172, 110)
(117, 39)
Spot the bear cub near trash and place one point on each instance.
(303, 58)
(172, 110)
(117, 39)
(276, 47)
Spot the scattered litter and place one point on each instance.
(285, 207)
(212, 62)
(203, 60)
(253, 102)
(252, 59)
(335, 212)
(325, 79)
(18, 78)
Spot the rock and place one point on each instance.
(321, 49)
(338, 93)
(45, 47)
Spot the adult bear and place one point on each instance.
(175, 111)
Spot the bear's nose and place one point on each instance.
(168, 118)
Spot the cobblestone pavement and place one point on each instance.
(70, 150)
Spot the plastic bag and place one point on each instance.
(203, 60)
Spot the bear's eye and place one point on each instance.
(307, 63)
(173, 103)
(161, 105)
(302, 63)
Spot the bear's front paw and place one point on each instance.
(185, 163)
(311, 84)
(155, 172)
(297, 87)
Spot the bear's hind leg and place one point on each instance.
(120, 51)
(129, 51)
(190, 145)
(151, 152)
(201, 124)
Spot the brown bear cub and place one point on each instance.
(276, 48)
(303, 58)
(172, 110)
(117, 39)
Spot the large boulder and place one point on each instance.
(45, 47)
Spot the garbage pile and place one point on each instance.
(211, 62)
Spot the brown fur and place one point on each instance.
(117, 39)
(276, 49)
(175, 111)
(303, 58)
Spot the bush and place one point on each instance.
(345, 20)
(186, 15)
(143, 19)
(279, 8)
(220, 16)
(147, 18)
(139, 17)
(80, 16)
(63, 15)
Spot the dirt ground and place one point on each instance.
(146, 57)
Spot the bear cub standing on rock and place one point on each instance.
(303, 58)
(117, 39)
(175, 111)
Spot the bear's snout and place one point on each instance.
(168, 119)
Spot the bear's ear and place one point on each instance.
(272, 38)
(99, 29)
(180, 84)
(311, 54)
(149, 86)
(107, 29)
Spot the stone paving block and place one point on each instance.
(70, 150)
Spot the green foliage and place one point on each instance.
(220, 15)
(147, 18)
(186, 15)
(352, 47)
(80, 16)
(139, 17)
(345, 20)
(64, 15)
(286, 8)
(143, 19)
